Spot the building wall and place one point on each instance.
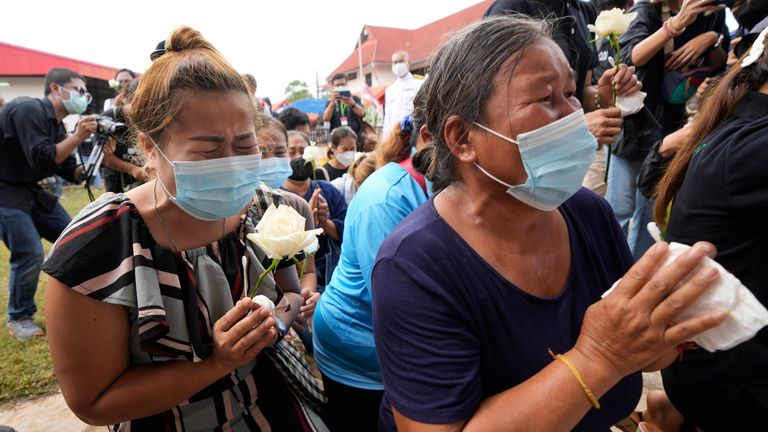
(381, 74)
(22, 86)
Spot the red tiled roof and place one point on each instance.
(420, 43)
(20, 61)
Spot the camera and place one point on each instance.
(109, 127)
(345, 93)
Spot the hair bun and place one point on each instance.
(186, 38)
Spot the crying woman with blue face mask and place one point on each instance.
(487, 309)
(154, 329)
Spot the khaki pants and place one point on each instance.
(595, 178)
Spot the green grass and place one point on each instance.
(25, 367)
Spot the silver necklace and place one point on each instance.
(160, 218)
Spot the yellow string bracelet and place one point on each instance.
(575, 372)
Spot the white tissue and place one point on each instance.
(746, 315)
(630, 104)
(264, 302)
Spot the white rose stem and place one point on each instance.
(613, 87)
(271, 267)
(245, 274)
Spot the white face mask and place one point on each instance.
(400, 69)
(345, 158)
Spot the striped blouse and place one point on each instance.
(108, 253)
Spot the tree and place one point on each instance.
(297, 90)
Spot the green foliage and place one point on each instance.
(25, 367)
(297, 90)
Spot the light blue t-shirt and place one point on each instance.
(343, 336)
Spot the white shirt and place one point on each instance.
(398, 100)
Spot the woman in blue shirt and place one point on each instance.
(509, 260)
(343, 338)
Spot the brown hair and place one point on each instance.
(363, 167)
(719, 102)
(397, 145)
(190, 64)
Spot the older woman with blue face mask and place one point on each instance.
(487, 309)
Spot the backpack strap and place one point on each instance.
(325, 173)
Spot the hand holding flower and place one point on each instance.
(280, 234)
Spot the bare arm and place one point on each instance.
(550, 400)
(328, 113)
(644, 51)
(89, 342)
(626, 331)
(309, 279)
(288, 280)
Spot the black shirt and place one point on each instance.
(29, 132)
(333, 173)
(353, 121)
(570, 32)
(125, 150)
(724, 200)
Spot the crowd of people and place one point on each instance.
(462, 256)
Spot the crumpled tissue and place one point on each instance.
(630, 104)
(746, 315)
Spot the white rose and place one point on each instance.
(113, 84)
(312, 154)
(611, 22)
(280, 233)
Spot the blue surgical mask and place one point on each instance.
(275, 171)
(214, 189)
(77, 103)
(556, 157)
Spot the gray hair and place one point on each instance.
(462, 74)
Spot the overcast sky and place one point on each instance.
(277, 41)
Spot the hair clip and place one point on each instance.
(406, 126)
(758, 47)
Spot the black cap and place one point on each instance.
(159, 50)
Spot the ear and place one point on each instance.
(425, 138)
(458, 137)
(147, 147)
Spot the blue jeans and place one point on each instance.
(21, 232)
(632, 209)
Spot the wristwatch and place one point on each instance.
(280, 328)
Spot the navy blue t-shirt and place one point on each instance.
(450, 331)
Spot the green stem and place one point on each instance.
(300, 265)
(614, 41)
(271, 267)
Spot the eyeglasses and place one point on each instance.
(80, 91)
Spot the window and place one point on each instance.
(368, 80)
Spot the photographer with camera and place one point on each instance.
(33, 146)
(343, 109)
(121, 167)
